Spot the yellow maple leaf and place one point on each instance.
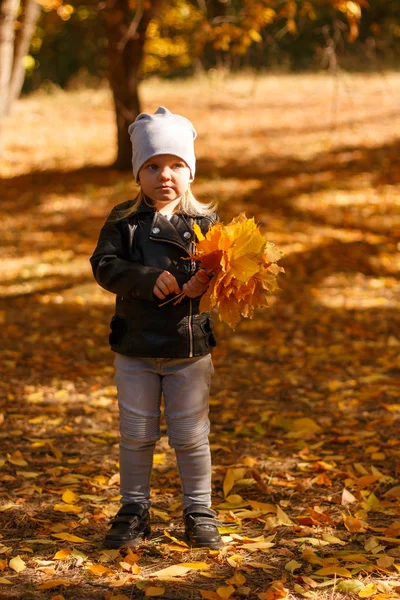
(244, 266)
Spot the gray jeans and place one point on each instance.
(185, 384)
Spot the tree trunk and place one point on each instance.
(8, 15)
(31, 11)
(126, 36)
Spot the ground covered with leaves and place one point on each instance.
(305, 398)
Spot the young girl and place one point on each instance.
(143, 257)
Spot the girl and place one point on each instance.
(142, 257)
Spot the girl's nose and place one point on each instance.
(165, 174)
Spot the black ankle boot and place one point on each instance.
(130, 526)
(201, 527)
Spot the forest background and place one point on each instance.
(296, 107)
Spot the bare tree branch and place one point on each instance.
(133, 27)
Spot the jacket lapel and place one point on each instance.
(175, 231)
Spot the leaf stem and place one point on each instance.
(177, 299)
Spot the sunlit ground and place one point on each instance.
(315, 159)
(323, 145)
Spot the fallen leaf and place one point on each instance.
(332, 539)
(68, 508)
(352, 586)
(229, 482)
(253, 547)
(225, 591)
(393, 530)
(7, 506)
(47, 570)
(69, 537)
(197, 566)
(48, 585)
(305, 424)
(232, 502)
(100, 570)
(175, 540)
(232, 475)
(368, 591)
(172, 571)
(28, 474)
(237, 579)
(394, 492)
(373, 545)
(347, 497)
(334, 570)
(385, 561)
(69, 497)
(63, 554)
(5, 581)
(260, 565)
(292, 566)
(131, 558)
(153, 591)
(235, 560)
(283, 518)
(276, 591)
(17, 459)
(17, 564)
(354, 525)
(312, 541)
(263, 506)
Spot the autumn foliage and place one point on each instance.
(244, 267)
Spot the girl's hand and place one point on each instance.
(165, 285)
(197, 285)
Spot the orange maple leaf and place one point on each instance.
(244, 267)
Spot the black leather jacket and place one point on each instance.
(130, 255)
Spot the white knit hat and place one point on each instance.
(162, 133)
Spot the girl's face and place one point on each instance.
(164, 179)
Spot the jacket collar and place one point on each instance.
(177, 230)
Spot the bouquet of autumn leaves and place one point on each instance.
(244, 268)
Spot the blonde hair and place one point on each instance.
(188, 205)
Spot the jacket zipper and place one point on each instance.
(190, 316)
(190, 329)
(190, 320)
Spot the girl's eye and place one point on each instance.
(178, 166)
(152, 167)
